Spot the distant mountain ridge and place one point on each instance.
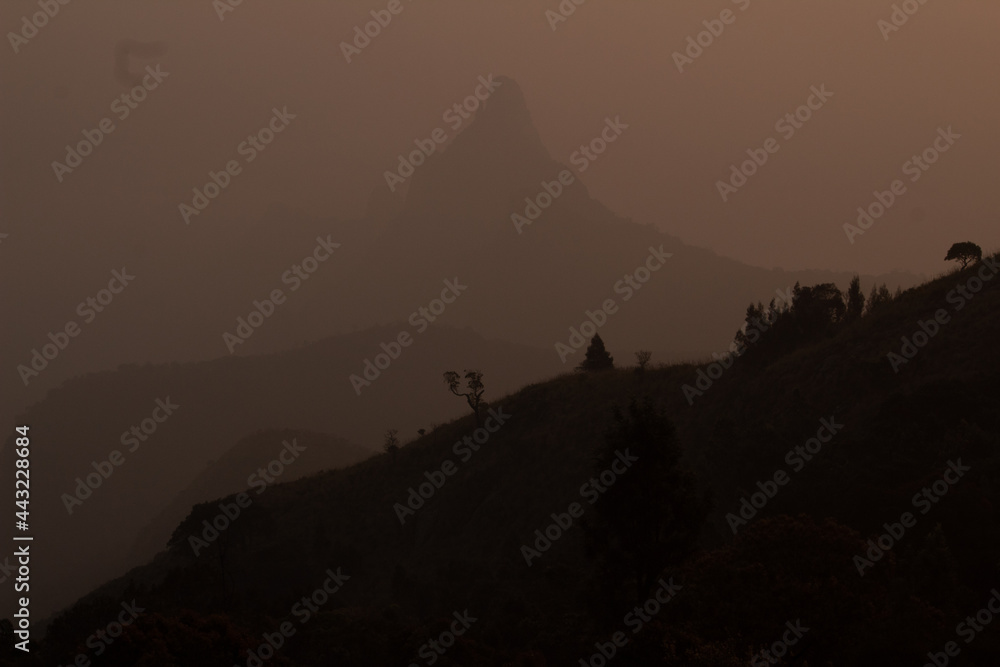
(455, 220)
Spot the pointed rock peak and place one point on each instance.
(495, 157)
(505, 108)
(502, 120)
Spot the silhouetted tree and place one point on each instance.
(474, 395)
(768, 333)
(817, 309)
(642, 358)
(391, 444)
(964, 252)
(650, 516)
(421, 432)
(597, 358)
(854, 301)
(879, 297)
(757, 321)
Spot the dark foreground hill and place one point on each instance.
(206, 408)
(800, 579)
(249, 466)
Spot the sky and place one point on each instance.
(686, 129)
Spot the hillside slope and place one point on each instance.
(794, 560)
(240, 469)
(78, 426)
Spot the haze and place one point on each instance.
(319, 190)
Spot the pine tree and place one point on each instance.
(598, 358)
(855, 300)
(651, 516)
(879, 297)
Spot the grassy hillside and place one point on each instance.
(792, 562)
(220, 402)
(239, 469)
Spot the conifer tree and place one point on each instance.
(598, 358)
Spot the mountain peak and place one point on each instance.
(505, 112)
(487, 166)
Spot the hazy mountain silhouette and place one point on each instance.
(467, 190)
(535, 196)
(526, 288)
(531, 286)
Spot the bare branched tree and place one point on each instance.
(474, 384)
